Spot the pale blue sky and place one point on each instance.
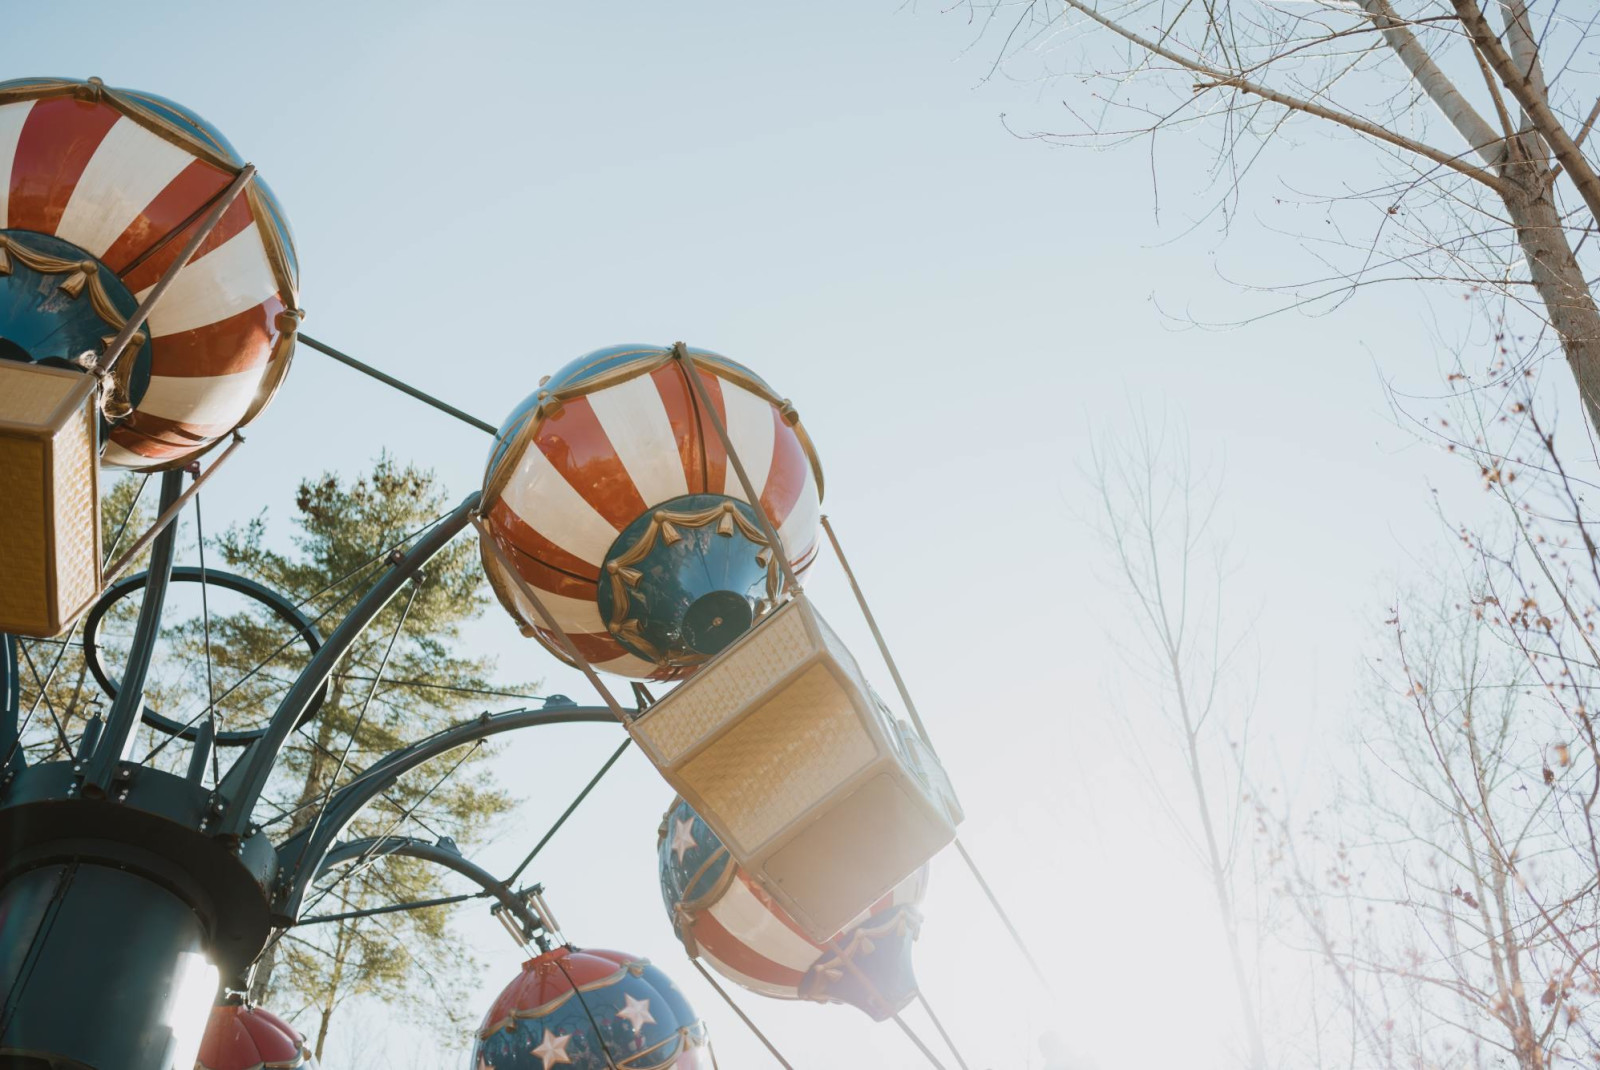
(827, 193)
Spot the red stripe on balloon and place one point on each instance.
(545, 578)
(712, 935)
(579, 449)
(189, 192)
(807, 557)
(530, 542)
(58, 139)
(156, 438)
(596, 647)
(678, 400)
(787, 477)
(148, 272)
(716, 458)
(236, 344)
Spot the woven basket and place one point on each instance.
(783, 748)
(50, 490)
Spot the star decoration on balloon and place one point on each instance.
(553, 1050)
(683, 836)
(636, 1011)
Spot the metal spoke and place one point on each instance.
(205, 619)
(562, 820)
(50, 707)
(361, 717)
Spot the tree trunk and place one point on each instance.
(322, 1032)
(340, 949)
(1557, 278)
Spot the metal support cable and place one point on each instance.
(872, 989)
(393, 908)
(923, 1048)
(285, 814)
(605, 1049)
(250, 773)
(486, 538)
(50, 707)
(425, 685)
(350, 799)
(943, 1034)
(302, 603)
(341, 600)
(361, 717)
(681, 353)
(1005, 918)
(368, 563)
(205, 618)
(883, 646)
(129, 703)
(743, 1017)
(562, 820)
(372, 854)
(403, 387)
(168, 514)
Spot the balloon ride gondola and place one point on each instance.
(646, 513)
(618, 535)
(105, 191)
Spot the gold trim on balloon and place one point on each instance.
(836, 960)
(81, 275)
(287, 325)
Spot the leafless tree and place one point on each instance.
(1454, 896)
(1156, 515)
(1454, 903)
(1500, 197)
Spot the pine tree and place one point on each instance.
(228, 660)
(403, 679)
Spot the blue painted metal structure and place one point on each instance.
(88, 842)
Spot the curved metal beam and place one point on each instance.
(246, 780)
(443, 853)
(129, 703)
(285, 610)
(298, 854)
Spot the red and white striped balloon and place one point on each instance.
(124, 176)
(610, 436)
(725, 918)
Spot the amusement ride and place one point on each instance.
(647, 514)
